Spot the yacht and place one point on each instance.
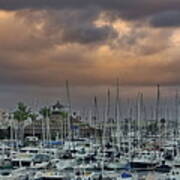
(145, 160)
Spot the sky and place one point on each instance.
(43, 43)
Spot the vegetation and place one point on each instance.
(22, 113)
(45, 112)
(64, 114)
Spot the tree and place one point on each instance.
(45, 112)
(33, 117)
(21, 114)
(64, 114)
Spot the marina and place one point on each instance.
(57, 143)
(89, 90)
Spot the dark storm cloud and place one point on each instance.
(45, 42)
(78, 26)
(126, 8)
(88, 34)
(75, 26)
(166, 19)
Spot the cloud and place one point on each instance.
(88, 34)
(125, 8)
(166, 19)
(143, 40)
(43, 43)
(67, 27)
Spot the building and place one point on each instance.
(60, 125)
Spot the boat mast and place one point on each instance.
(176, 114)
(139, 121)
(157, 109)
(96, 117)
(109, 120)
(105, 127)
(70, 134)
(117, 115)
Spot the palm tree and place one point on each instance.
(33, 117)
(45, 112)
(21, 114)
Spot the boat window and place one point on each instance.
(33, 151)
(23, 151)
